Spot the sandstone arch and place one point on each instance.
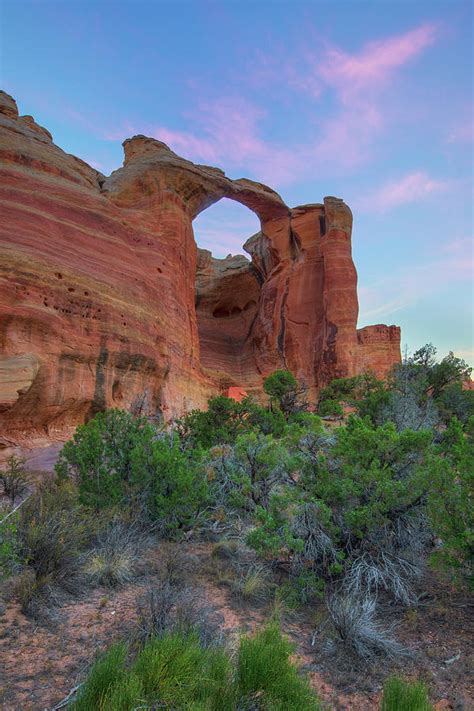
(307, 297)
(98, 279)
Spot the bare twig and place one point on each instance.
(67, 699)
(15, 509)
(453, 659)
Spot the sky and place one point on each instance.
(368, 100)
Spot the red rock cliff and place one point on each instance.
(104, 300)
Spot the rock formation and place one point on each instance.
(105, 300)
(379, 347)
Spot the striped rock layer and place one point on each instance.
(105, 300)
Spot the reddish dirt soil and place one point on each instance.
(41, 664)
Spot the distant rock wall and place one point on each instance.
(379, 348)
(105, 300)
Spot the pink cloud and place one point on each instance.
(410, 188)
(228, 134)
(187, 144)
(358, 81)
(375, 63)
(460, 246)
(345, 138)
(229, 131)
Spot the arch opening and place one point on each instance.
(223, 227)
(227, 291)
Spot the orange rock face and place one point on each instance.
(237, 394)
(379, 348)
(105, 300)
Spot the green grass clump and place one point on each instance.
(124, 695)
(401, 695)
(266, 675)
(173, 670)
(107, 674)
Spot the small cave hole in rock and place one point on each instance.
(221, 313)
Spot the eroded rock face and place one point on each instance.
(98, 296)
(227, 297)
(105, 300)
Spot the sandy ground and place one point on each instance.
(40, 664)
(41, 459)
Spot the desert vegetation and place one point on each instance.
(331, 516)
(178, 671)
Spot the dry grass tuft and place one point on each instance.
(114, 559)
(354, 621)
(252, 584)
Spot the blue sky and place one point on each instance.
(367, 100)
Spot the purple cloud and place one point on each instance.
(410, 188)
(229, 135)
(229, 131)
(358, 81)
(373, 66)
